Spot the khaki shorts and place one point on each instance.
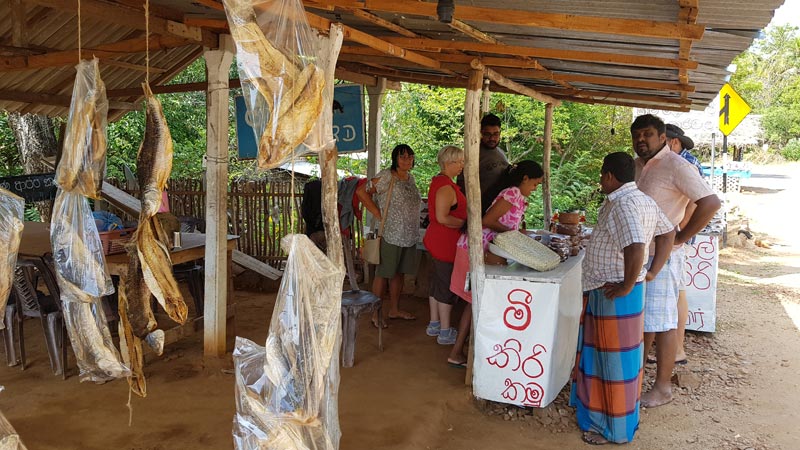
(396, 260)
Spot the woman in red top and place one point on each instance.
(447, 210)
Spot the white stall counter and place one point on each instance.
(702, 266)
(527, 332)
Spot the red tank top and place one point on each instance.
(439, 239)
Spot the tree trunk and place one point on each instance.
(36, 139)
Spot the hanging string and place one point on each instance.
(147, 42)
(291, 213)
(79, 31)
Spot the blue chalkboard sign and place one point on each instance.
(348, 122)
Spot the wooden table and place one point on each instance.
(35, 242)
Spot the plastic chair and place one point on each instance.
(192, 274)
(30, 302)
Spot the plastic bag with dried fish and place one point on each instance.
(287, 391)
(282, 85)
(12, 209)
(82, 165)
(9, 439)
(77, 249)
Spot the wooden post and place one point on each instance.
(328, 53)
(376, 94)
(472, 132)
(548, 144)
(218, 63)
(487, 95)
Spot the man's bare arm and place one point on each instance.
(706, 208)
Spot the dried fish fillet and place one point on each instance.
(91, 341)
(284, 90)
(157, 270)
(83, 161)
(12, 208)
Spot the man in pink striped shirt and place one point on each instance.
(673, 183)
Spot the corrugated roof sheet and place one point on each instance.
(649, 76)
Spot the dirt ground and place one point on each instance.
(739, 390)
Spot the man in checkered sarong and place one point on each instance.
(607, 377)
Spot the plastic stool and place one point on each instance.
(355, 303)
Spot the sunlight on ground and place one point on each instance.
(793, 311)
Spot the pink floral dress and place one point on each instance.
(511, 219)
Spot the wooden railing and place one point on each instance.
(259, 212)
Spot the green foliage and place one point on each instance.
(792, 150)
(10, 163)
(768, 78)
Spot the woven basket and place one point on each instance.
(114, 241)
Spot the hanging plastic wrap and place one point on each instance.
(77, 251)
(85, 168)
(287, 391)
(282, 85)
(9, 439)
(12, 208)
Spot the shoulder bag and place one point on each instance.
(372, 245)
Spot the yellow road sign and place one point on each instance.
(732, 109)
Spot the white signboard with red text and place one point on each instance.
(702, 261)
(527, 333)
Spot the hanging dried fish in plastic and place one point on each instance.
(86, 130)
(12, 208)
(286, 391)
(283, 88)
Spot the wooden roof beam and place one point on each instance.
(590, 24)
(19, 36)
(607, 95)
(351, 34)
(54, 100)
(654, 104)
(134, 18)
(687, 14)
(538, 52)
(598, 80)
(67, 57)
(472, 32)
(369, 17)
(514, 86)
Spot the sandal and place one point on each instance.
(403, 315)
(593, 438)
(375, 323)
(456, 364)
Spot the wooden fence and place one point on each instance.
(259, 212)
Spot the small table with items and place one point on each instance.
(527, 332)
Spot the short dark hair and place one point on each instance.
(402, 149)
(490, 120)
(620, 164)
(648, 120)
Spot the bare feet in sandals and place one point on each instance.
(593, 438)
(401, 315)
(655, 397)
(375, 323)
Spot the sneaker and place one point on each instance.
(447, 336)
(433, 328)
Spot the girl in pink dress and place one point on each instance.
(505, 214)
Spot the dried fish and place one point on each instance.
(286, 391)
(11, 224)
(289, 88)
(154, 164)
(83, 162)
(154, 159)
(91, 341)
